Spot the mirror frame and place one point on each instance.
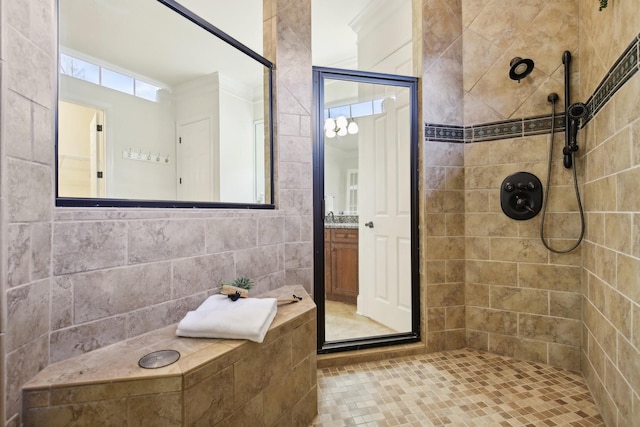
(176, 7)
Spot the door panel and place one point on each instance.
(195, 180)
(391, 198)
(80, 151)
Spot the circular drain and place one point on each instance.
(159, 359)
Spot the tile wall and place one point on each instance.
(494, 32)
(26, 188)
(521, 300)
(80, 279)
(578, 310)
(608, 58)
(443, 231)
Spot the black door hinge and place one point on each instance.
(180, 180)
(100, 174)
(99, 128)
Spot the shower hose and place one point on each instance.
(546, 194)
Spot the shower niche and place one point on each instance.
(521, 196)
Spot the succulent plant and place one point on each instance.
(603, 4)
(241, 282)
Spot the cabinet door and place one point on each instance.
(344, 264)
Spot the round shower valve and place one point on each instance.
(521, 196)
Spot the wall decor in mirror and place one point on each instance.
(158, 107)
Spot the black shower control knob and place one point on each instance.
(530, 186)
(521, 195)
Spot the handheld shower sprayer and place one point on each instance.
(576, 113)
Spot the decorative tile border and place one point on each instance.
(622, 70)
(491, 131)
(497, 130)
(444, 133)
(542, 124)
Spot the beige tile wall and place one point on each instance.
(521, 299)
(611, 308)
(80, 279)
(494, 32)
(444, 246)
(442, 230)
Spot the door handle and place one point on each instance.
(369, 224)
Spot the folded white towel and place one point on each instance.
(220, 317)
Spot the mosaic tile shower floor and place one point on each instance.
(455, 388)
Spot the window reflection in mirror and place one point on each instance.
(154, 107)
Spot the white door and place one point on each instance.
(384, 201)
(81, 158)
(96, 157)
(195, 161)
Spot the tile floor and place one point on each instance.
(461, 387)
(342, 322)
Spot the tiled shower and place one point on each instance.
(487, 283)
(579, 310)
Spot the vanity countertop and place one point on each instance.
(353, 225)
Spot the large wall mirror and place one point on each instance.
(157, 107)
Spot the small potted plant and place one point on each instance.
(238, 288)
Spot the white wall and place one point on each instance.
(232, 111)
(237, 173)
(131, 123)
(336, 163)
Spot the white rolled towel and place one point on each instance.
(220, 317)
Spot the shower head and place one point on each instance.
(520, 68)
(578, 111)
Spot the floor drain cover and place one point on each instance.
(158, 359)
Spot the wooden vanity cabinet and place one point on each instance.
(341, 264)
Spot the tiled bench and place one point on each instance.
(214, 383)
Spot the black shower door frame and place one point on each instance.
(320, 74)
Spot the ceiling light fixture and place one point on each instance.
(340, 126)
(340, 119)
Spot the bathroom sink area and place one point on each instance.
(341, 257)
(340, 221)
